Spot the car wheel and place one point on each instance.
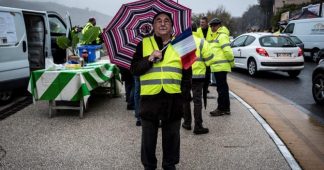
(318, 58)
(5, 96)
(294, 73)
(318, 88)
(252, 67)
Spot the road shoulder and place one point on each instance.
(300, 132)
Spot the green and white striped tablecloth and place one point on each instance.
(71, 84)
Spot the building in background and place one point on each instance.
(280, 3)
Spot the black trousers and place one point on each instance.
(170, 144)
(197, 88)
(222, 90)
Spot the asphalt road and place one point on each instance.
(298, 90)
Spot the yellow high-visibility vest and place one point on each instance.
(222, 50)
(86, 27)
(205, 57)
(166, 74)
(200, 34)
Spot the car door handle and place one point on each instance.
(24, 45)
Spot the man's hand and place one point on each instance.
(155, 56)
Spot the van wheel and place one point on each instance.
(252, 67)
(294, 73)
(5, 96)
(314, 54)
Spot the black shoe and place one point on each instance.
(130, 107)
(219, 113)
(185, 126)
(138, 123)
(227, 112)
(198, 130)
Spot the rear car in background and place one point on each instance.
(267, 52)
(320, 55)
(318, 83)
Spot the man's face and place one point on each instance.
(203, 23)
(214, 28)
(162, 25)
(94, 23)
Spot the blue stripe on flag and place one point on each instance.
(182, 36)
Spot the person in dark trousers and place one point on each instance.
(137, 97)
(205, 57)
(128, 79)
(204, 31)
(223, 65)
(162, 79)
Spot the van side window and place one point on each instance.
(290, 28)
(56, 26)
(8, 28)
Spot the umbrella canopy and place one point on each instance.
(133, 21)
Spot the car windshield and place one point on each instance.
(276, 41)
(295, 39)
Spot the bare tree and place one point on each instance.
(253, 19)
(220, 13)
(267, 8)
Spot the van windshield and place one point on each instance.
(289, 29)
(276, 41)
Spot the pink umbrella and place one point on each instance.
(133, 21)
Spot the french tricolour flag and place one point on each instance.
(185, 45)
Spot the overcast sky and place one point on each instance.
(110, 7)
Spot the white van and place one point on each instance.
(310, 32)
(27, 43)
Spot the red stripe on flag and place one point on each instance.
(188, 59)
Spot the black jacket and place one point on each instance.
(162, 106)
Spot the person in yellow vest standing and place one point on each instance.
(204, 31)
(162, 80)
(204, 58)
(223, 65)
(91, 23)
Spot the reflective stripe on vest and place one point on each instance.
(164, 69)
(198, 76)
(166, 74)
(225, 45)
(222, 63)
(214, 41)
(199, 67)
(160, 81)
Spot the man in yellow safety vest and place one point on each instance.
(223, 65)
(162, 82)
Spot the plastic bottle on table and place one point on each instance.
(85, 56)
